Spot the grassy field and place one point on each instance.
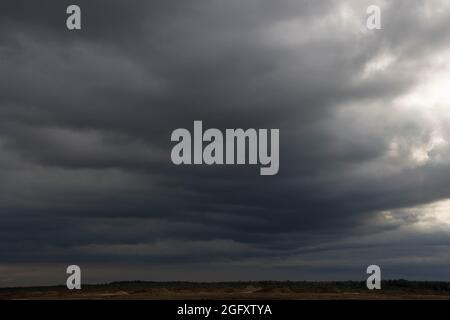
(395, 289)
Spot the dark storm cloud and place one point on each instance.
(86, 117)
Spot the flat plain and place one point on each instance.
(266, 290)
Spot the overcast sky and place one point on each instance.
(86, 118)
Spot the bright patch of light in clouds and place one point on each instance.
(430, 217)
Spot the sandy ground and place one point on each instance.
(219, 293)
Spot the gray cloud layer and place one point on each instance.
(86, 117)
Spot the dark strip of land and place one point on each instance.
(264, 290)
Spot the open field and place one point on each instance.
(395, 289)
